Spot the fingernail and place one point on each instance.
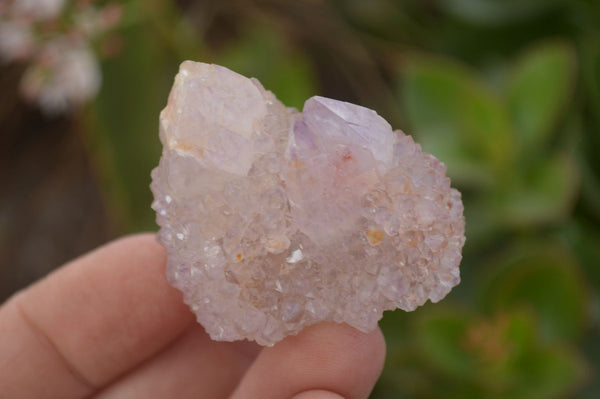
(318, 394)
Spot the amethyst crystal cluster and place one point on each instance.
(274, 220)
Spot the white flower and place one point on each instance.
(92, 21)
(38, 9)
(64, 75)
(63, 72)
(16, 40)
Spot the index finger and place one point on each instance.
(90, 321)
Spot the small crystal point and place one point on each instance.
(351, 124)
(274, 220)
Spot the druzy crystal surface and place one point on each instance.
(275, 219)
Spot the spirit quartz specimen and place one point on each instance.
(274, 220)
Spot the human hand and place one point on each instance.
(108, 325)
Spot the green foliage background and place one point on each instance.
(507, 94)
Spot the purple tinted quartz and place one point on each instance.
(274, 220)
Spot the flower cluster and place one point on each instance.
(54, 38)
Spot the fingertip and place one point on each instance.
(327, 358)
(352, 360)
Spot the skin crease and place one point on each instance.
(108, 325)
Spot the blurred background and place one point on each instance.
(506, 93)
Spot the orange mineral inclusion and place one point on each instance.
(374, 236)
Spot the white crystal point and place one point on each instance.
(275, 220)
(336, 154)
(352, 124)
(212, 114)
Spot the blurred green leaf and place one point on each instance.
(497, 357)
(497, 12)
(547, 372)
(395, 327)
(590, 60)
(583, 238)
(392, 20)
(125, 122)
(590, 184)
(482, 226)
(543, 193)
(441, 337)
(546, 281)
(540, 86)
(262, 53)
(457, 119)
(589, 144)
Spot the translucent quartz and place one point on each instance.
(274, 219)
